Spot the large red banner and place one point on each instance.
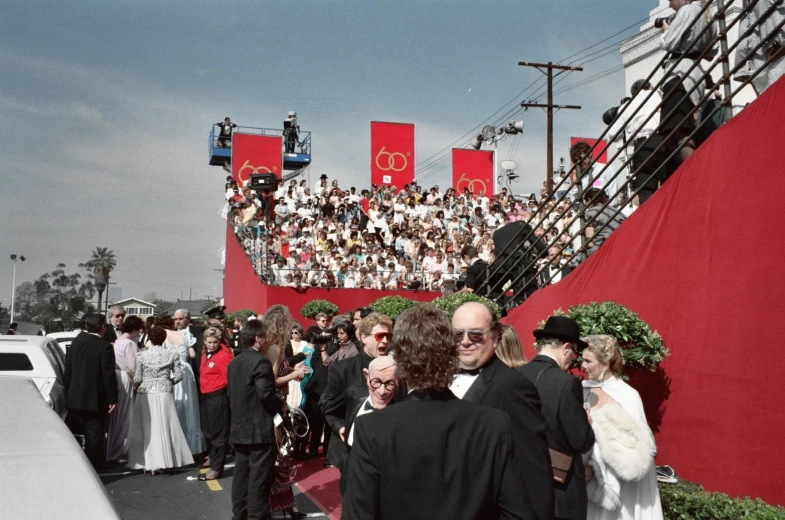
(392, 153)
(255, 154)
(472, 169)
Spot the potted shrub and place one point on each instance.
(314, 307)
(392, 306)
(450, 303)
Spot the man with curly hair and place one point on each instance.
(432, 455)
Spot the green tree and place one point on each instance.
(161, 305)
(99, 266)
(55, 296)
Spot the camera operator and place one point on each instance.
(291, 131)
(344, 338)
(680, 38)
(763, 29)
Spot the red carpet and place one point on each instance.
(320, 484)
(701, 262)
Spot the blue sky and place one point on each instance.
(106, 107)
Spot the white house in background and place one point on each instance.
(136, 307)
(641, 53)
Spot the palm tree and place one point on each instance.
(100, 264)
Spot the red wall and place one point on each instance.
(701, 262)
(244, 290)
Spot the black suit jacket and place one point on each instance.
(345, 382)
(90, 379)
(476, 277)
(352, 409)
(110, 334)
(196, 362)
(568, 429)
(252, 399)
(434, 456)
(501, 387)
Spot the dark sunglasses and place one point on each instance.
(475, 335)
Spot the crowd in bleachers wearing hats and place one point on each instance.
(382, 237)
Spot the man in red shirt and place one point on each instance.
(215, 403)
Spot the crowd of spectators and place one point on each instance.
(381, 237)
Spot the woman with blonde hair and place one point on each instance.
(214, 410)
(509, 349)
(624, 486)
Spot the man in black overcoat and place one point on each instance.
(253, 404)
(568, 424)
(432, 455)
(518, 265)
(346, 382)
(484, 379)
(90, 386)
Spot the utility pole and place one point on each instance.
(548, 71)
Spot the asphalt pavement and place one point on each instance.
(177, 495)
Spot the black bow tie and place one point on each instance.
(469, 371)
(368, 407)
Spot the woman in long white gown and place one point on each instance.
(156, 440)
(186, 396)
(125, 350)
(624, 483)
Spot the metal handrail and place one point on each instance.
(304, 136)
(708, 94)
(572, 170)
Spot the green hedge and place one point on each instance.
(314, 307)
(450, 303)
(392, 306)
(687, 501)
(640, 346)
(230, 316)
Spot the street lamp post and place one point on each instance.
(14, 259)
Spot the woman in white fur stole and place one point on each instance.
(624, 485)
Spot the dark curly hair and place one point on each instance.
(425, 347)
(165, 321)
(157, 335)
(131, 324)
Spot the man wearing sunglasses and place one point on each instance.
(569, 426)
(346, 382)
(485, 380)
(116, 317)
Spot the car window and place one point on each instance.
(15, 362)
(58, 363)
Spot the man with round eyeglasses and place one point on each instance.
(347, 382)
(485, 380)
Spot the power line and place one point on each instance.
(436, 162)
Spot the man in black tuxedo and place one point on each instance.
(253, 404)
(432, 455)
(383, 381)
(554, 269)
(569, 425)
(513, 263)
(346, 382)
(90, 386)
(476, 276)
(116, 317)
(484, 379)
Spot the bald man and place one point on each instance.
(484, 379)
(382, 380)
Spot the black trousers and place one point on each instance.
(253, 480)
(316, 423)
(91, 425)
(214, 410)
(645, 151)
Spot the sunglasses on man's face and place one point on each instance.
(383, 335)
(119, 315)
(475, 335)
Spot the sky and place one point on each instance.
(106, 108)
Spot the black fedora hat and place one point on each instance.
(563, 328)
